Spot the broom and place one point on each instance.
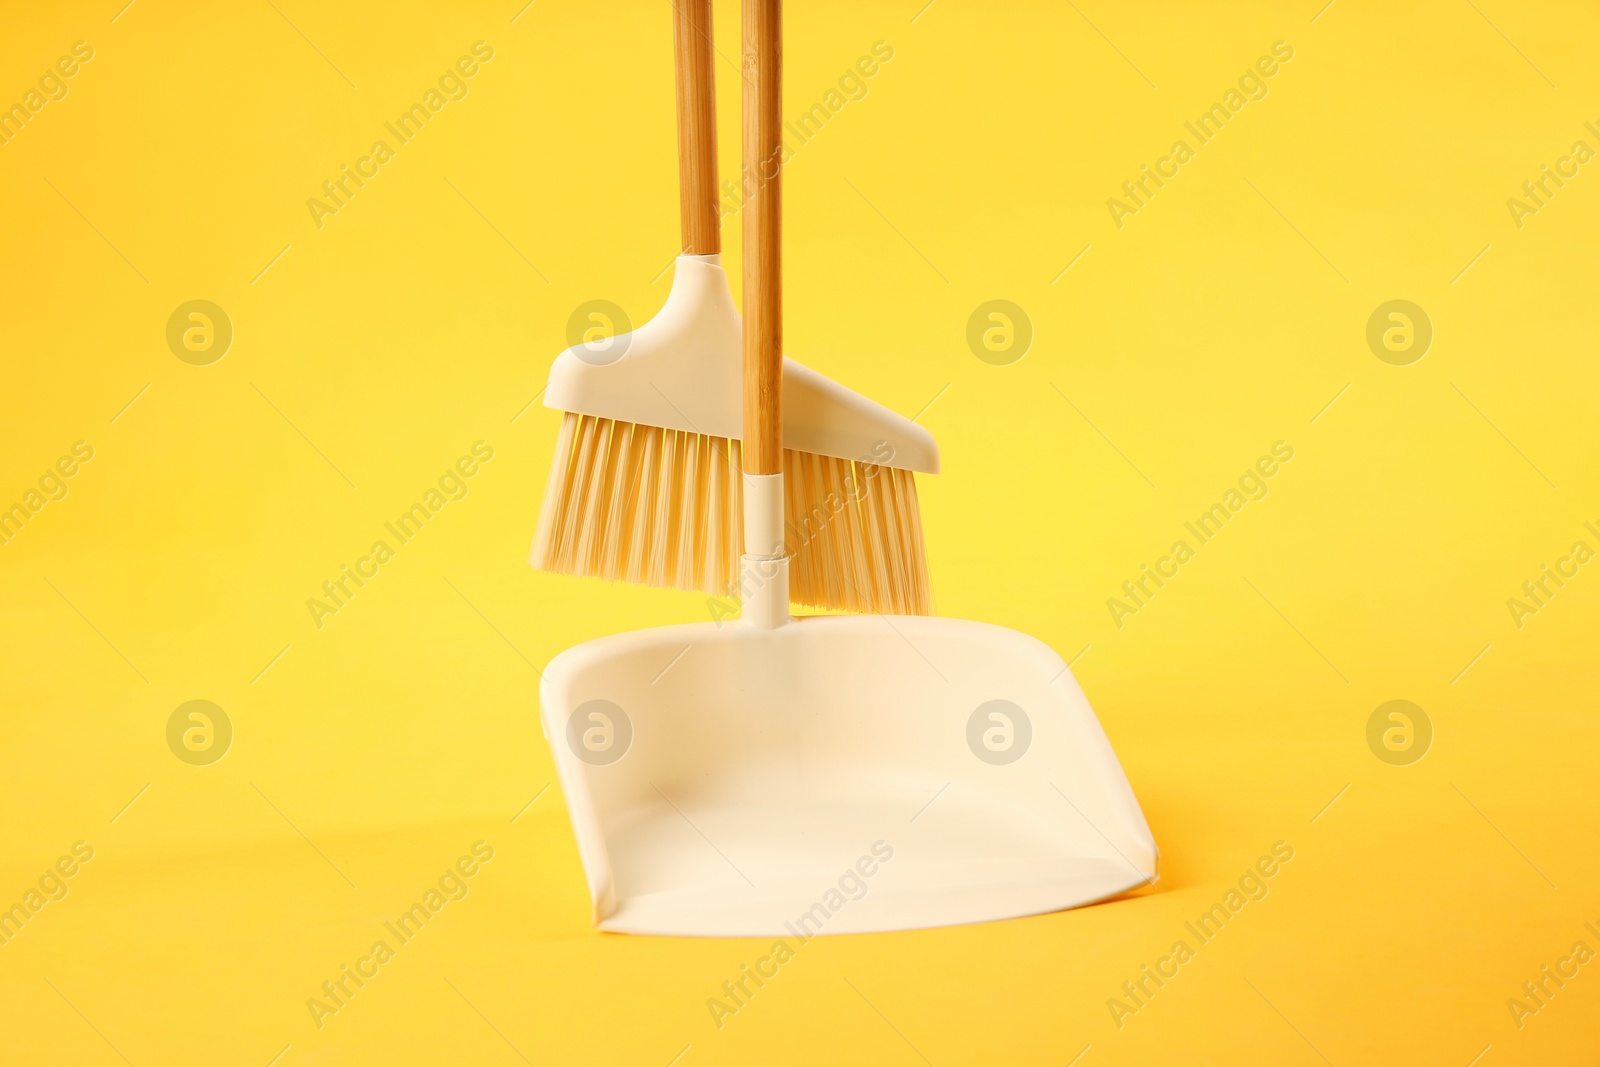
(645, 484)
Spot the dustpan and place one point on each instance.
(833, 774)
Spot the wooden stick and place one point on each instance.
(763, 263)
(697, 126)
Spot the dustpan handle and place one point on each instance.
(763, 278)
(697, 127)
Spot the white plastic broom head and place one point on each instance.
(681, 371)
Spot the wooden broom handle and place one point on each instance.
(763, 277)
(697, 126)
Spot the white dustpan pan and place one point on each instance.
(833, 774)
(836, 774)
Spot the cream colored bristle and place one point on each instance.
(665, 508)
(854, 535)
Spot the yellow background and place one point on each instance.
(1223, 317)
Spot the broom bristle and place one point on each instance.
(665, 507)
